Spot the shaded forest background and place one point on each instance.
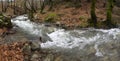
(68, 13)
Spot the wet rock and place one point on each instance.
(90, 50)
(47, 24)
(35, 46)
(11, 31)
(58, 24)
(36, 57)
(27, 49)
(59, 58)
(49, 57)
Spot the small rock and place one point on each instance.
(59, 58)
(34, 57)
(35, 45)
(58, 23)
(49, 57)
(27, 49)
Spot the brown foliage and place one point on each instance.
(11, 52)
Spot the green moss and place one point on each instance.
(84, 25)
(51, 17)
(5, 22)
(82, 18)
(84, 22)
(109, 23)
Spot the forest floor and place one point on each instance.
(73, 17)
(11, 52)
(69, 15)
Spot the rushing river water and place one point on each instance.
(75, 45)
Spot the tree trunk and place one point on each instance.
(25, 8)
(51, 4)
(109, 13)
(42, 6)
(2, 5)
(14, 6)
(93, 15)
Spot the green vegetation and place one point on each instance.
(81, 18)
(5, 22)
(51, 17)
(108, 21)
(84, 24)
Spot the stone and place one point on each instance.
(35, 45)
(49, 57)
(34, 57)
(58, 58)
(27, 49)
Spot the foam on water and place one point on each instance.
(113, 32)
(69, 39)
(27, 25)
(30, 27)
(64, 39)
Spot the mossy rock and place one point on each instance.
(5, 22)
(51, 17)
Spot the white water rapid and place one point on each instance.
(95, 40)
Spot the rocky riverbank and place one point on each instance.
(23, 50)
(20, 51)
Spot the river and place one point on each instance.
(74, 45)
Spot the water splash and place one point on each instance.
(69, 39)
(32, 28)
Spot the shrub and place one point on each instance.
(81, 18)
(51, 17)
(5, 22)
